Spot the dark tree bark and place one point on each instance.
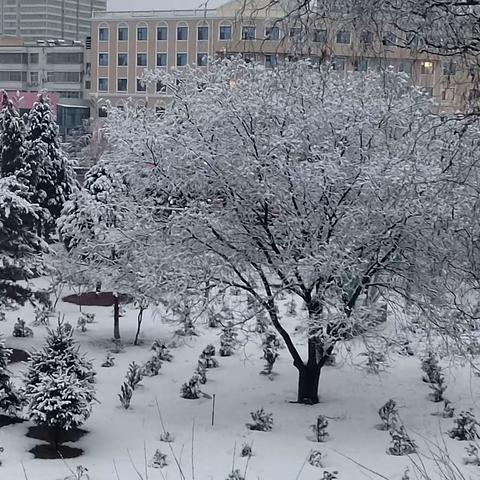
(139, 324)
(116, 318)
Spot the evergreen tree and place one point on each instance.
(10, 398)
(47, 170)
(20, 247)
(12, 138)
(59, 383)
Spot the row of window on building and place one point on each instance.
(34, 78)
(54, 58)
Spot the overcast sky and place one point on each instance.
(120, 5)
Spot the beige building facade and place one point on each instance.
(125, 44)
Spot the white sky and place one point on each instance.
(123, 5)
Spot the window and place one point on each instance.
(320, 35)
(343, 36)
(249, 57)
(142, 34)
(122, 84)
(162, 33)
(88, 84)
(161, 59)
(182, 33)
(338, 63)
(141, 87)
(141, 59)
(248, 33)
(389, 39)
(366, 37)
(63, 77)
(360, 65)
(103, 84)
(34, 78)
(225, 32)
(295, 32)
(64, 58)
(103, 34)
(272, 33)
(122, 59)
(161, 87)
(34, 58)
(102, 111)
(449, 68)
(122, 33)
(202, 33)
(426, 68)
(103, 59)
(405, 66)
(448, 94)
(270, 61)
(202, 59)
(181, 59)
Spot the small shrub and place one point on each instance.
(292, 308)
(466, 427)
(82, 324)
(201, 371)
(214, 319)
(473, 455)
(191, 389)
(162, 351)
(3, 317)
(228, 340)
(159, 460)
(437, 384)
(375, 362)
(448, 409)
(246, 450)
(21, 330)
(207, 356)
(1, 451)
(320, 429)
(42, 315)
(315, 458)
(406, 475)
(125, 395)
(262, 322)
(330, 475)
(430, 367)
(89, 317)
(134, 375)
(152, 367)
(402, 444)
(109, 361)
(167, 437)
(262, 421)
(235, 475)
(270, 345)
(389, 415)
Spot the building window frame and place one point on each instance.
(124, 82)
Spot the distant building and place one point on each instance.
(59, 67)
(48, 19)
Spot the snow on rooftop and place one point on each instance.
(139, 5)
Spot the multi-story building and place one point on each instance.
(58, 67)
(48, 19)
(124, 44)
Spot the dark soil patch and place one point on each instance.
(18, 355)
(47, 434)
(49, 452)
(94, 299)
(6, 420)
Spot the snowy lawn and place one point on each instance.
(119, 440)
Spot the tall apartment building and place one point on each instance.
(48, 19)
(124, 44)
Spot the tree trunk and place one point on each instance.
(308, 380)
(139, 325)
(116, 318)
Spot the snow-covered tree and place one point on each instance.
(292, 179)
(48, 172)
(20, 246)
(12, 138)
(10, 398)
(59, 387)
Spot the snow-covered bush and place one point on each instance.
(270, 346)
(208, 357)
(235, 475)
(330, 475)
(448, 409)
(402, 444)
(159, 460)
(262, 421)
(473, 454)
(246, 450)
(162, 351)
(430, 367)
(228, 340)
(59, 383)
(152, 366)
(125, 395)
(201, 371)
(376, 361)
(134, 375)
(320, 429)
(20, 329)
(191, 389)
(11, 400)
(292, 308)
(43, 313)
(167, 437)
(389, 414)
(437, 384)
(262, 323)
(109, 360)
(82, 324)
(1, 451)
(466, 427)
(315, 458)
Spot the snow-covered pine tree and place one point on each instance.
(20, 247)
(12, 138)
(59, 387)
(48, 172)
(10, 398)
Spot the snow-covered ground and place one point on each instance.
(119, 440)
